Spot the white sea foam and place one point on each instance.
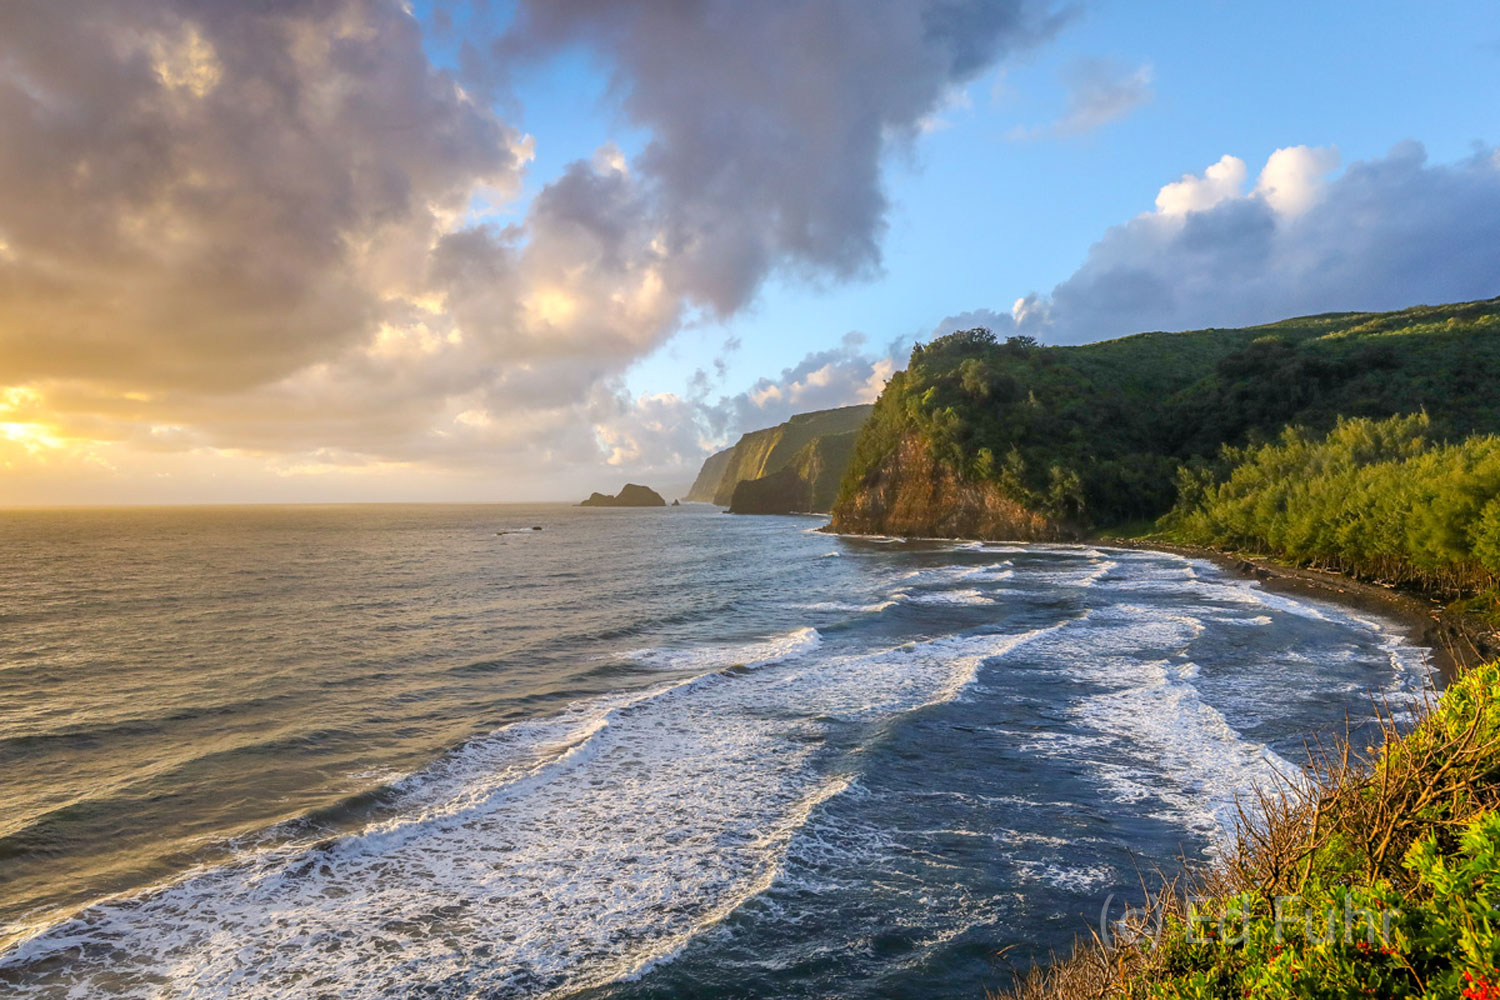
(711, 657)
(938, 576)
(952, 597)
(890, 602)
(1147, 734)
(556, 854)
(1071, 878)
(1412, 668)
(991, 571)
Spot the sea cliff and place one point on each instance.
(807, 483)
(1014, 439)
(817, 446)
(911, 493)
(707, 483)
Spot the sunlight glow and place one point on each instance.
(552, 306)
(33, 437)
(188, 63)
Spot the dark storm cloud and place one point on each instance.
(200, 194)
(769, 121)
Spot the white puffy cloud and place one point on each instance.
(1220, 182)
(1293, 178)
(1387, 233)
(667, 435)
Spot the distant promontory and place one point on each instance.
(794, 466)
(631, 496)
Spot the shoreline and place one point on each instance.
(1457, 641)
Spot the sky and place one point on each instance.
(360, 250)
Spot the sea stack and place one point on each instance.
(632, 495)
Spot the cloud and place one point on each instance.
(667, 435)
(1293, 178)
(1099, 91)
(769, 122)
(1223, 180)
(956, 100)
(1386, 233)
(248, 230)
(839, 376)
(217, 196)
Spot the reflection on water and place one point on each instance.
(387, 750)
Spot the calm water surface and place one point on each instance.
(425, 751)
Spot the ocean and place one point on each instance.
(383, 751)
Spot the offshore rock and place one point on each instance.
(632, 495)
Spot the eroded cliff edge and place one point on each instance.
(911, 494)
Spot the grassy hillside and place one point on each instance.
(1093, 435)
(760, 453)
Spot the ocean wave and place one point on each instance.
(710, 657)
(952, 597)
(595, 844)
(567, 852)
(891, 601)
(1148, 736)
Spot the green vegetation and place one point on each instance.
(1093, 435)
(808, 482)
(1381, 500)
(760, 453)
(710, 475)
(1375, 878)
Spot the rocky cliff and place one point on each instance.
(760, 453)
(707, 483)
(808, 482)
(910, 493)
(631, 496)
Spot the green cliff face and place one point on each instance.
(915, 495)
(808, 482)
(979, 438)
(760, 453)
(707, 483)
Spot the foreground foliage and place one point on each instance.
(1375, 877)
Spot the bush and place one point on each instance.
(1378, 499)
